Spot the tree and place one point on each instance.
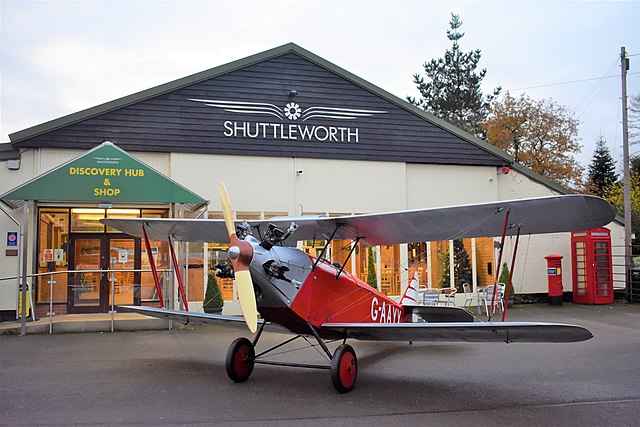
(541, 135)
(602, 170)
(452, 89)
(616, 198)
(213, 297)
(634, 119)
(461, 267)
(372, 277)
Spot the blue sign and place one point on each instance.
(12, 238)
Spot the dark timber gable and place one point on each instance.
(167, 119)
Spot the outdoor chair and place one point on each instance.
(468, 295)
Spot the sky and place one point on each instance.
(57, 58)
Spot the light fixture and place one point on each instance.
(293, 93)
(13, 164)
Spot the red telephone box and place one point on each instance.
(592, 269)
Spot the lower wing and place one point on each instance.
(461, 331)
(437, 331)
(187, 317)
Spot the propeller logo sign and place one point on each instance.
(289, 122)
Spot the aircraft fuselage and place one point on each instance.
(292, 293)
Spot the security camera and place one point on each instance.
(299, 172)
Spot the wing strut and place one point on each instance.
(176, 268)
(513, 263)
(499, 265)
(355, 243)
(324, 250)
(152, 263)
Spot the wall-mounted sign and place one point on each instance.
(290, 121)
(12, 238)
(47, 255)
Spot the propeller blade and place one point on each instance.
(247, 299)
(227, 212)
(239, 256)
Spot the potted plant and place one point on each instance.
(213, 297)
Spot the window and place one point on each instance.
(53, 243)
(87, 220)
(121, 213)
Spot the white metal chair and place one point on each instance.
(431, 297)
(489, 296)
(450, 296)
(468, 295)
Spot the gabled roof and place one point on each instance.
(61, 122)
(26, 134)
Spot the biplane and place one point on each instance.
(278, 284)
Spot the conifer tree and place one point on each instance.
(372, 277)
(451, 90)
(602, 170)
(461, 267)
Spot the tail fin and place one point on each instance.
(410, 296)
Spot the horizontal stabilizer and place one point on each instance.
(465, 331)
(435, 313)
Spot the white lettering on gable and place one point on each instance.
(293, 131)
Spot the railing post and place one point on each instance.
(51, 313)
(112, 280)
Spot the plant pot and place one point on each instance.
(213, 310)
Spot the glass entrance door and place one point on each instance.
(122, 257)
(93, 291)
(84, 287)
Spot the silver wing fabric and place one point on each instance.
(435, 332)
(462, 331)
(187, 317)
(538, 215)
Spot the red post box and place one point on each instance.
(554, 277)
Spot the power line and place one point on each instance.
(572, 81)
(591, 94)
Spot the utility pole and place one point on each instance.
(624, 66)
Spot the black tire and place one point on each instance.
(344, 368)
(240, 360)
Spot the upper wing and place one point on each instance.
(539, 215)
(461, 331)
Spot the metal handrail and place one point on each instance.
(111, 280)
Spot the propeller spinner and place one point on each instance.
(239, 256)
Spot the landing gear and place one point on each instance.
(344, 368)
(240, 360)
(343, 364)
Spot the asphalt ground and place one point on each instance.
(178, 377)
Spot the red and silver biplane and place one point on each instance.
(311, 297)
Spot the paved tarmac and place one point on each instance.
(177, 377)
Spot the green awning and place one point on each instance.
(105, 174)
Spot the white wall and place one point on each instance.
(530, 271)
(272, 184)
(447, 185)
(340, 186)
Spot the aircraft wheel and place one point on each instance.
(239, 362)
(344, 368)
